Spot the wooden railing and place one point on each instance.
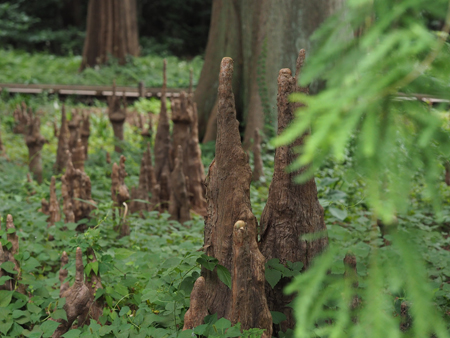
(86, 90)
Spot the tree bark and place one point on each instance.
(111, 30)
(163, 147)
(179, 207)
(63, 143)
(76, 193)
(195, 168)
(197, 307)
(262, 36)
(35, 141)
(120, 194)
(230, 226)
(117, 113)
(292, 209)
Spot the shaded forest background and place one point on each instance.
(177, 27)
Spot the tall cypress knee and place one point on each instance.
(228, 197)
(292, 209)
(63, 143)
(163, 147)
(35, 141)
(117, 112)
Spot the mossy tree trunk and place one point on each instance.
(262, 36)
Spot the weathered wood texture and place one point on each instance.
(120, 194)
(76, 193)
(163, 147)
(228, 196)
(35, 141)
(179, 206)
(292, 209)
(117, 113)
(63, 143)
(7, 255)
(77, 298)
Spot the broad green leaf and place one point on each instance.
(338, 213)
(186, 334)
(222, 324)
(272, 276)
(124, 310)
(59, 314)
(5, 297)
(104, 330)
(3, 279)
(73, 333)
(100, 292)
(95, 267)
(8, 267)
(30, 264)
(201, 329)
(5, 326)
(234, 331)
(277, 317)
(49, 327)
(210, 265)
(224, 275)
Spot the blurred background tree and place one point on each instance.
(111, 30)
(58, 27)
(262, 36)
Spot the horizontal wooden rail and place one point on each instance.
(85, 90)
(134, 91)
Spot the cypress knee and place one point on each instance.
(292, 209)
(195, 168)
(179, 206)
(249, 304)
(21, 119)
(63, 143)
(182, 120)
(146, 177)
(85, 132)
(120, 193)
(163, 147)
(197, 307)
(74, 130)
(117, 113)
(77, 298)
(94, 308)
(78, 155)
(76, 189)
(228, 197)
(53, 209)
(7, 255)
(35, 141)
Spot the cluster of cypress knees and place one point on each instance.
(176, 183)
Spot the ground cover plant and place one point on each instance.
(147, 277)
(381, 268)
(43, 68)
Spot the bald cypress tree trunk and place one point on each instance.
(262, 36)
(111, 30)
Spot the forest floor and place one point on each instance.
(41, 68)
(147, 276)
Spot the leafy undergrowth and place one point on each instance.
(41, 68)
(147, 277)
